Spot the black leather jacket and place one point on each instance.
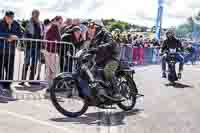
(172, 43)
(107, 47)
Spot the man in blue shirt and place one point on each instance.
(190, 54)
(34, 30)
(9, 34)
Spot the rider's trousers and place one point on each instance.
(109, 71)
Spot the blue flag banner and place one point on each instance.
(159, 19)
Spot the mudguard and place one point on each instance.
(68, 75)
(63, 76)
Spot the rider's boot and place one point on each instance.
(117, 94)
(180, 70)
(164, 75)
(179, 75)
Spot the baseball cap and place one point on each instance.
(9, 14)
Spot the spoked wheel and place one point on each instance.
(128, 90)
(65, 97)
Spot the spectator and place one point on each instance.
(129, 39)
(136, 51)
(66, 26)
(146, 44)
(124, 39)
(134, 41)
(10, 31)
(34, 30)
(190, 54)
(47, 22)
(76, 22)
(84, 29)
(155, 43)
(68, 22)
(141, 50)
(52, 34)
(73, 36)
(117, 36)
(91, 31)
(156, 46)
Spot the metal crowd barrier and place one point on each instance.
(26, 60)
(139, 56)
(145, 56)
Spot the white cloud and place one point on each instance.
(141, 12)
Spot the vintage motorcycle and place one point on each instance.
(67, 87)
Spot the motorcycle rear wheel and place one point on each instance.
(130, 94)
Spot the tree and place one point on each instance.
(116, 25)
(112, 24)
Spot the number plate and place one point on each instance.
(172, 51)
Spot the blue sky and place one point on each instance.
(141, 12)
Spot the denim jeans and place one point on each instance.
(189, 57)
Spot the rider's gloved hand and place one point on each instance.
(165, 55)
(104, 45)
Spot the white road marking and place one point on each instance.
(28, 118)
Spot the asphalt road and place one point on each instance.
(164, 109)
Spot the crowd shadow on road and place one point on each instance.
(100, 118)
(179, 85)
(2, 100)
(6, 99)
(32, 88)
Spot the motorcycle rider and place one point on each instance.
(172, 43)
(106, 54)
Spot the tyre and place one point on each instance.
(128, 90)
(68, 89)
(172, 76)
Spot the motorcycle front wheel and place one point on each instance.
(128, 90)
(64, 94)
(172, 76)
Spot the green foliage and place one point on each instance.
(112, 24)
(185, 29)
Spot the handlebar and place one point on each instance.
(92, 50)
(168, 53)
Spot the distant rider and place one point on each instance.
(172, 43)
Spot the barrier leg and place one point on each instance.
(32, 71)
(61, 63)
(9, 68)
(24, 72)
(1, 65)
